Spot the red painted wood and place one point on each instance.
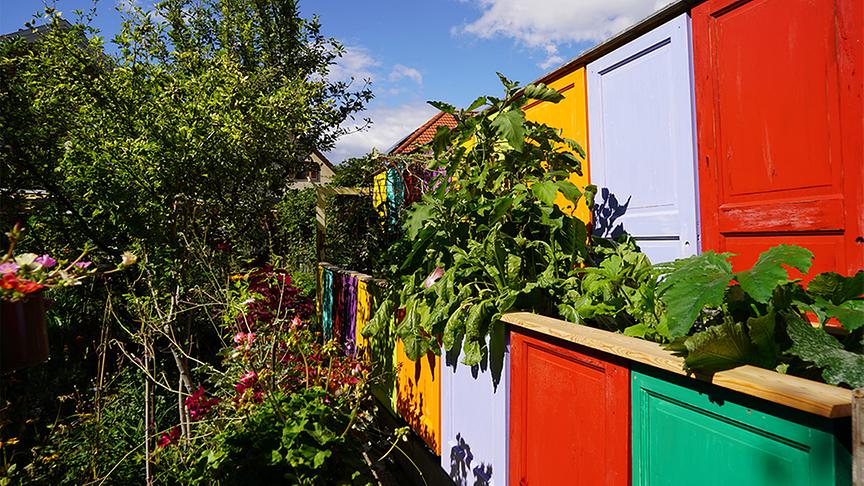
(569, 415)
(780, 127)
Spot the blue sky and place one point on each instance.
(412, 51)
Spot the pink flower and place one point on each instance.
(169, 437)
(433, 277)
(296, 323)
(244, 340)
(46, 261)
(8, 267)
(83, 264)
(197, 405)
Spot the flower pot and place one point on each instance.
(23, 334)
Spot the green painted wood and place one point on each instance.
(687, 432)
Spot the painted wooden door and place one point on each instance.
(569, 414)
(687, 433)
(640, 112)
(779, 99)
(474, 421)
(418, 395)
(570, 116)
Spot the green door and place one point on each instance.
(691, 433)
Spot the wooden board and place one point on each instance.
(780, 128)
(569, 415)
(791, 391)
(640, 107)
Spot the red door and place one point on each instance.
(569, 415)
(779, 115)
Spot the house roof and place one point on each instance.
(324, 159)
(32, 34)
(424, 134)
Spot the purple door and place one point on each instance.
(474, 420)
(640, 115)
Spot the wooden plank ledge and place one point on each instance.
(791, 391)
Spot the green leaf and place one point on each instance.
(696, 282)
(570, 191)
(768, 272)
(417, 217)
(477, 103)
(818, 347)
(764, 339)
(718, 348)
(836, 288)
(454, 328)
(409, 333)
(445, 107)
(590, 193)
(850, 313)
(380, 320)
(542, 92)
(510, 125)
(546, 192)
(478, 319)
(497, 347)
(472, 353)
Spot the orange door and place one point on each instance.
(418, 395)
(779, 115)
(571, 116)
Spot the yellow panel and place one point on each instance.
(571, 116)
(364, 311)
(379, 193)
(418, 399)
(319, 293)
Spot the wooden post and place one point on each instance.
(858, 437)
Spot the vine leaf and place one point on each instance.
(417, 218)
(837, 288)
(695, 282)
(381, 318)
(768, 272)
(820, 348)
(569, 190)
(510, 125)
(764, 339)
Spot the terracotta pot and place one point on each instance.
(23, 334)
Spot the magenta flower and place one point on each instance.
(83, 264)
(433, 277)
(46, 261)
(197, 405)
(8, 267)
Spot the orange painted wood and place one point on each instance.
(418, 395)
(569, 414)
(780, 129)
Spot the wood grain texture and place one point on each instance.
(791, 391)
(858, 437)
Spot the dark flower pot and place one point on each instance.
(23, 334)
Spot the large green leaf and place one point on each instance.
(570, 191)
(850, 313)
(768, 272)
(546, 192)
(766, 350)
(455, 328)
(696, 282)
(542, 92)
(409, 333)
(718, 348)
(380, 320)
(836, 288)
(417, 218)
(510, 125)
(478, 319)
(818, 347)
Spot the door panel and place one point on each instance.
(780, 127)
(569, 414)
(686, 433)
(418, 395)
(640, 111)
(571, 116)
(474, 421)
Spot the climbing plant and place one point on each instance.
(489, 237)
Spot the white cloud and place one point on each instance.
(355, 63)
(389, 125)
(552, 57)
(540, 23)
(401, 71)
